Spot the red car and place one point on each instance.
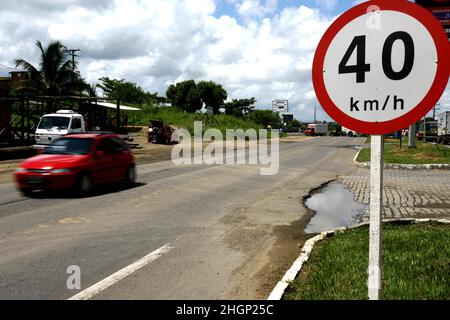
(309, 132)
(78, 161)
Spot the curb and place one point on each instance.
(366, 165)
(278, 292)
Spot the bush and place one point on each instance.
(264, 118)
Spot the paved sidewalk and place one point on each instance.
(407, 193)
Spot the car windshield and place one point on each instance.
(60, 123)
(75, 146)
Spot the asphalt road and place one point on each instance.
(228, 232)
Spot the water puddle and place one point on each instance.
(335, 207)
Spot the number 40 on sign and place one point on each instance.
(378, 78)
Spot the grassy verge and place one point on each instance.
(425, 153)
(387, 140)
(180, 119)
(416, 260)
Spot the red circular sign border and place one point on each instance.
(427, 103)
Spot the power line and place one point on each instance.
(72, 52)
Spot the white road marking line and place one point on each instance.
(121, 274)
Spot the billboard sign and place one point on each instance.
(440, 9)
(280, 106)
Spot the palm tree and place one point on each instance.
(56, 75)
(91, 90)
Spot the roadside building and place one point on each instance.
(440, 9)
(288, 118)
(9, 79)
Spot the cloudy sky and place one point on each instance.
(260, 48)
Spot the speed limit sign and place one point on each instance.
(381, 66)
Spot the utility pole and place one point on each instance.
(425, 129)
(412, 136)
(434, 110)
(72, 53)
(315, 113)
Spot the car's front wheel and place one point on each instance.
(26, 192)
(130, 176)
(84, 185)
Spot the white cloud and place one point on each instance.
(156, 43)
(444, 103)
(327, 4)
(256, 8)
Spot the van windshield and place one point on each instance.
(74, 146)
(60, 123)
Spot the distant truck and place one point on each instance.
(444, 127)
(429, 133)
(159, 133)
(55, 125)
(317, 129)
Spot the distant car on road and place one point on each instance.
(78, 161)
(350, 133)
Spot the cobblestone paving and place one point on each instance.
(407, 193)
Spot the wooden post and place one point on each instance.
(22, 123)
(118, 116)
(412, 136)
(28, 119)
(425, 129)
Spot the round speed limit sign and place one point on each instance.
(381, 66)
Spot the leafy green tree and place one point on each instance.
(153, 98)
(123, 90)
(185, 96)
(160, 100)
(212, 94)
(334, 126)
(56, 75)
(265, 118)
(91, 89)
(296, 124)
(239, 107)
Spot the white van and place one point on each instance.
(54, 125)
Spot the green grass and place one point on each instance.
(179, 119)
(176, 117)
(424, 153)
(415, 262)
(386, 140)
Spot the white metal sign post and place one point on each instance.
(280, 106)
(376, 209)
(379, 68)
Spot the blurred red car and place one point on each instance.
(78, 161)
